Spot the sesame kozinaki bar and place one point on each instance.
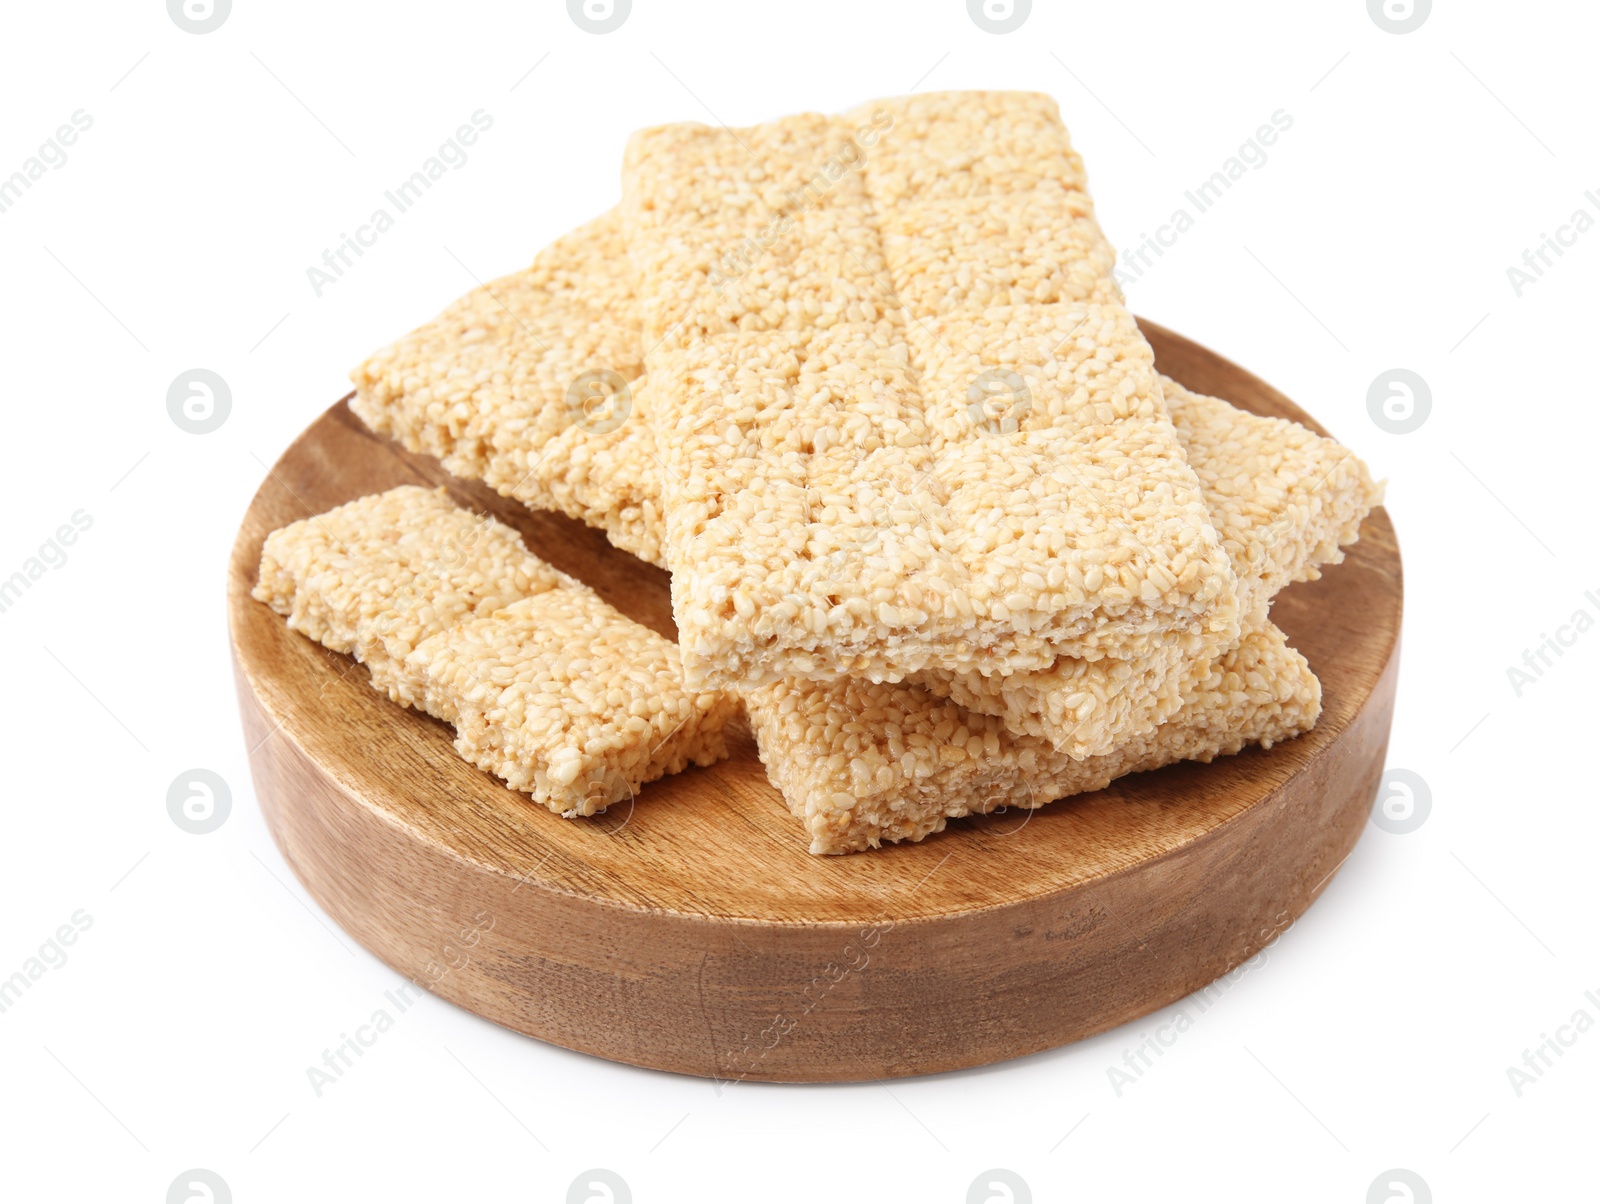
(832, 507)
(862, 763)
(548, 687)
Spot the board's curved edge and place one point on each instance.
(545, 990)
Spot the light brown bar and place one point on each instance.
(376, 577)
(831, 505)
(1284, 500)
(862, 763)
(526, 383)
(548, 686)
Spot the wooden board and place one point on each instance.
(692, 932)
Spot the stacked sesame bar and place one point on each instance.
(831, 507)
(928, 608)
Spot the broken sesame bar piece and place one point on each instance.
(548, 687)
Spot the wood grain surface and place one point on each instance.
(691, 931)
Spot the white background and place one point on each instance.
(1378, 1032)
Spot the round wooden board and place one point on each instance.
(693, 932)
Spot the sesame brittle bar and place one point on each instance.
(1283, 498)
(524, 383)
(862, 763)
(548, 687)
(831, 504)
